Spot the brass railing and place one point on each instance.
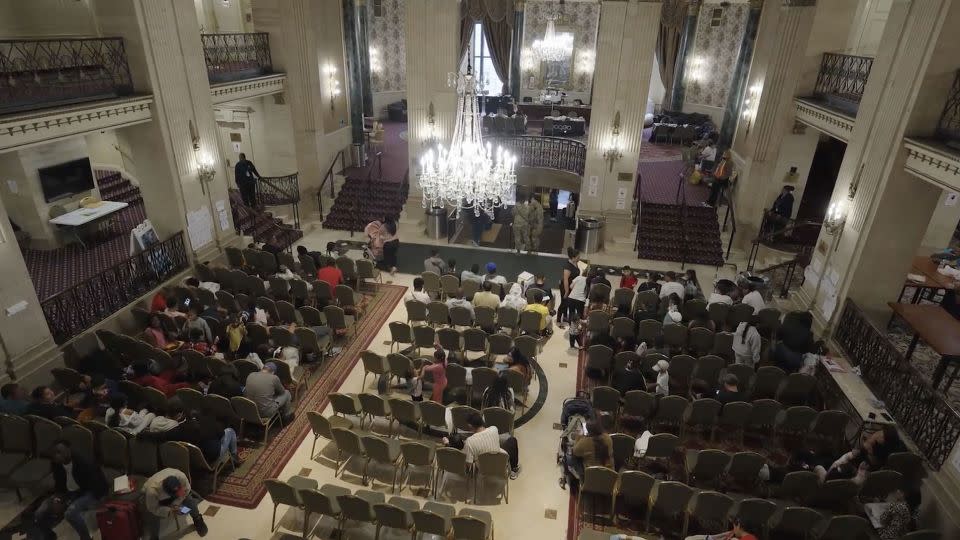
(922, 411)
(546, 152)
(78, 308)
(41, 73)
(279, 191)
(842, 80)
(234, 57)
(948, 128)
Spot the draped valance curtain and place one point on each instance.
(497, 19)
(672, 17)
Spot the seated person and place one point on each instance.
(794, 340)
(472, 274)
(459, 301)
(451, 268)
(595, 449)
(498, 394)
(155, 335)
(543, 308)
(662, 385)
(730, 391)
(672, 286)
(169, 419)
(265, 389)
(721, 294)
(629, 378)
(14, 399)
(205, 432)
(901, 516)
(627, 279)
(486, 298)
(488, 439)
(753, 298)
(163, 382)
(651, 284)
(227, 383)
(197, 342)
(701, 319)
(517, 361)
(417, 293)
(121, 417)
(737, 533)
(315, 255)
(43, 404)
(870, 456)
(493, 276)
(673, 315)
(331, 274)
(434, 263)
(195, 321)
(79, 486)
(159, 300)
(164, 494)
(514, 298)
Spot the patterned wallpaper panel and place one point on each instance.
(715, 53)
(385, 35)
(581, 17)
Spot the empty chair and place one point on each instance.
(879, 484)
(634, 495)
(598, 322)
(373, 407)
(707, 513)
(763, 416)
(400, 334)
(374, 364)
(739, 313)
(670, 412)
(669, 504)
(321, 426)
(366, 270)
(508, 318)
(113, 457)
(799, 486)
(474, 340)
(432, 284)
(530, 323)
(606, 400)
(501, 418)
(733, 419)
(681, 373)
(925, 534)
(702, 414)
(795, 523)
(456, 378)
(755, 515)
(346, 404)
(766, 382)
(493, 467)
(483, 377)
(768, 322)
(382, 451)
(460, 316)
(449, 461)
(706, 466)
(450, 340)
(675, 337)
(650, 331)
(599, 489)
(401, 366)
(700, 341)
(836, 496)
(348, 268)
(638, 403)
(797, 421)
(349, 444)
(434, 518)
(707, 370)
(322, 501)
(797, 389)
(846, 528)
(600, 359)
(723, 345)
(144, 457)
(744, 470)
(405, 412)
(909, 465)
(473, 524)
(287, 493)
(424, 337)
(485, 317)
(661, 446)
(498, 345)
(434, 414)
(622, 327)
(623, 446)
(449, 285)
(527, 345)
(336, 319)
(359, 507)
(417, 455)
(830, 428)
(461, 415)
(397, 513)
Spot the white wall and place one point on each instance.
(796, 150)
(871, 17)
(265, 131)
(657, 91)
(382, 99)
(943, 223)
(46, 18)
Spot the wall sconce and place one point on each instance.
(750, 104)
(206, 171)
(613, 153)
(194, 135)
(585, 62)
(696, 71)
(431, 125)
(835, 219)
(333, 84)
(374, 60)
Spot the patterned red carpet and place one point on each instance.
(244, 488)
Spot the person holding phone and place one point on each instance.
(166, 494)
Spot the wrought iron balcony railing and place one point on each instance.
(280, 191)
(234, 57)
(85, 304)
(922, 411)
(842, 80)
(41, 73)
(546, 152)
(948, 128)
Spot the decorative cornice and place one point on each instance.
(248, 88)
(933, 162)
(19, 131)
(830, 122)
(799, 3)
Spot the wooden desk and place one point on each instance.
(927, 267)
(938, 329)
(846, 391)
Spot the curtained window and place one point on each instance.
(482, 60)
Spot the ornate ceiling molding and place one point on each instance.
(20, 131)
(933, 162)
(248, 88)
(822, 119)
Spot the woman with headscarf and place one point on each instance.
(515, 298)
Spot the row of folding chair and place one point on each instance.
(438, 314)
(470, 340)
(373, 508)
(724, 316)
(416, 415)
(632, 498)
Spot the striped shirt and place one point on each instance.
(481, 442)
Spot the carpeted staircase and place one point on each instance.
(115, 187)
(260, 224)
(361, 201)
(661, 237)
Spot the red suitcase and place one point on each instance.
(119, 520)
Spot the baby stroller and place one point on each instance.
(576, 412)
(374, 248)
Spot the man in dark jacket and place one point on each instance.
(208, 434)
(79, 485)
(43, 403)
(246, 176)
(227, 384)
(779, 214)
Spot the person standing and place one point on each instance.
(391, 245)
(246, 176)
(570, 272)
(527, 224)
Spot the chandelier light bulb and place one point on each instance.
(553, 47)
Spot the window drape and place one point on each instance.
(672, 17)
(497, 19)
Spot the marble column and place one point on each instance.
(358, 64)
(515, 47)
(887, 210)
(162, 41)
(676, 92)
(306, 43)
(624, 63)
(731, 112)
(432, 43)
(782, 39)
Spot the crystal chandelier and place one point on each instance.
(553, 47)
(468, 175)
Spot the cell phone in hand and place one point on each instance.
(184, 510)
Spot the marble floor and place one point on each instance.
(538, 508)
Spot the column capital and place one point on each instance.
(756, 4)
(518, 5)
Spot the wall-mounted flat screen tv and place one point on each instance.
(66, 179)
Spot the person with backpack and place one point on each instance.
(595, 448)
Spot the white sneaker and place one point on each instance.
(515, 474)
